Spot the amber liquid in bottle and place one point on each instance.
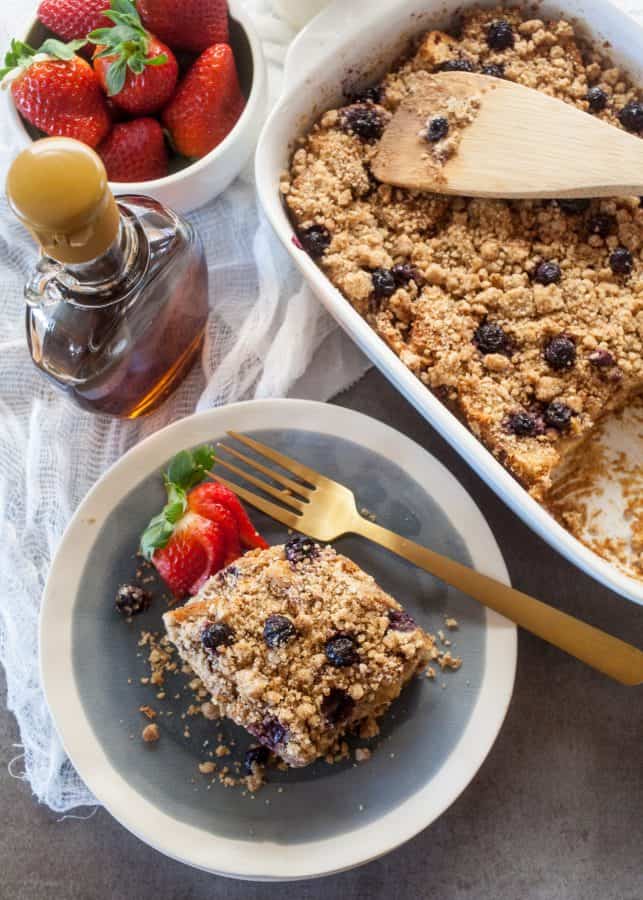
(117, 318)
(120, 333)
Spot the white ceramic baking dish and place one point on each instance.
(351, 43)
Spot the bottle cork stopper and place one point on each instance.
(58, 189)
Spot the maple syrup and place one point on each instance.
(118, 304)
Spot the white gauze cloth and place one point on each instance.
(265, 333)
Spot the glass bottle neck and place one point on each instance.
(108, 280)
(112, 266)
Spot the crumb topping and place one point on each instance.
(559, 283)
(316, 647)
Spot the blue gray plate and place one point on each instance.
(290, 829)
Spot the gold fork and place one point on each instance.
(324, 510)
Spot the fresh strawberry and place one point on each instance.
(198, 502)
(136, 70)
(195, 551)
(72, 19)
(198, 531)
(191, 25)
(207, 103)
(135, 151)
(57, 91)
(206, 497)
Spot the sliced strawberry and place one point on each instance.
(215, 512)
(204, 497)
(195, 552)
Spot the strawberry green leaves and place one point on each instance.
(127, 42)
(123, 10)
(20, 55)
(185, 471)
(190, 467)
(60, 50)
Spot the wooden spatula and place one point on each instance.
(520, 143)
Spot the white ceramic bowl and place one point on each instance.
(196, 184)
(354, 44)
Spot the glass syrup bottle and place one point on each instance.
(118, 303)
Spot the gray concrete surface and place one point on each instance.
(555, 813)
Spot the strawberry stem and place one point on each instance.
(186, 470)
(127, 41)
(20, 55)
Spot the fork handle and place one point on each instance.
(608, 654)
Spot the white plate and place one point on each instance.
(327, 819)
(357, 42)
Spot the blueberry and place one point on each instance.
(363, 120)
(229, 575)
(278, 630)
(298, 549)
(405, 272)
(255, 756)
(337, 706)
(490, 338)
(215, 635)
(495, 70)
(438, 128)
(383, 282)
(621, 261)
(560, 352)
(341, 651)
(522, 424)
(547, 272)
(574, 207)
(500, 35)
(602, 359)
(315, 240)
(372, 94)
(401, 621)
(558, 415)
(631, 116)
(596, 98)
(601, 224)
(270, 732)
(462, 64)
(132, 600)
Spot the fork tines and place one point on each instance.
(295, 496)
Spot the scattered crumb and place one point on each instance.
(148, 711)
(362, 754)
(451, 624)
(446, 661)
(207, 768)
(368, 729)
(150, 734)
(209, 710)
